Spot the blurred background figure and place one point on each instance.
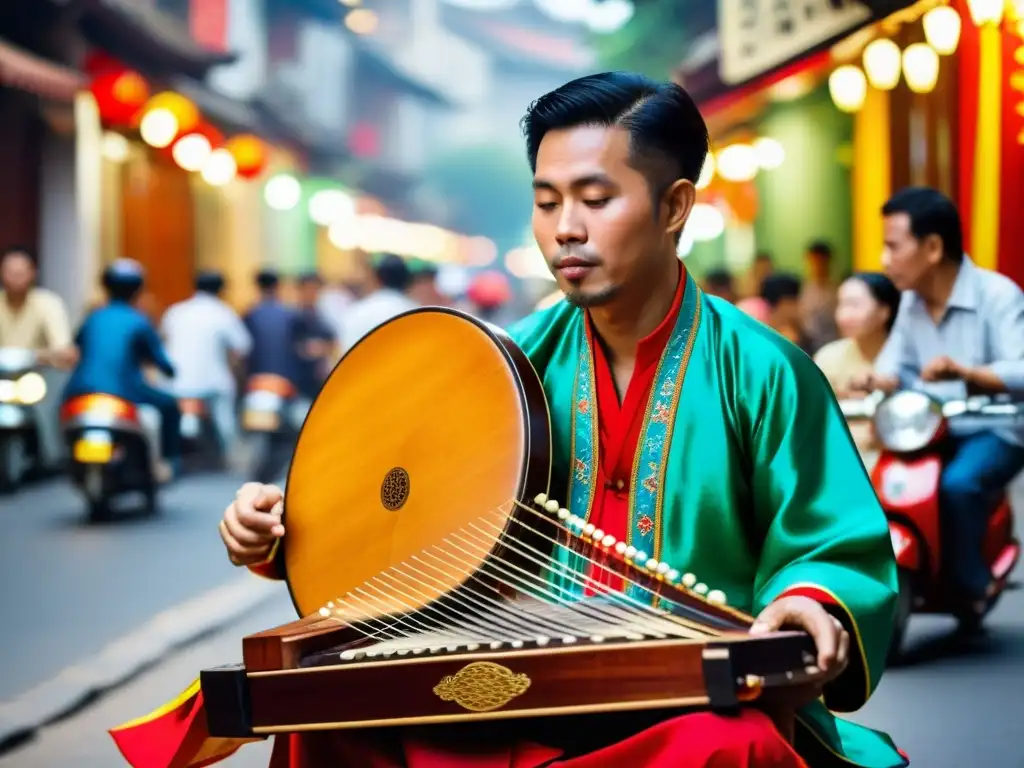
(818, 296)
(423, 288)
(757, 308)
(489, 293)
(276, 332)
(781, 292)
(32, 317)
(761, 267)
(117, 344)
(720, 283)
(319, 340)
(865, 313)
(334, 301)
(385, 298)
(207, 343)
(35, 319)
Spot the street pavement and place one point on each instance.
(953, 704)
(72, 587)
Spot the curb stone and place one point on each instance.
(128, 655)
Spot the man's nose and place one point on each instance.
(570, 226)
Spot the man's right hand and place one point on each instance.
(873, 382)
(252, 523)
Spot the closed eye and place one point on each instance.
(547, 206)
(597, 203)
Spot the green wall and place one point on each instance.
(807, 198)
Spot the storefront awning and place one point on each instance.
(139, 33)
(27, 72)
(230, 114)
(378, 64)
(752, 57)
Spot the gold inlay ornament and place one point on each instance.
(482, 686)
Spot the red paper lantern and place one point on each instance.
(489, 290)
(120, 95)
(250, 153)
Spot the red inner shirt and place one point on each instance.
(619, 424)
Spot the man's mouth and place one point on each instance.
(575, 268)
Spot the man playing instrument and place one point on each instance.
(675, 428)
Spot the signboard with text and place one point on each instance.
(758, 35)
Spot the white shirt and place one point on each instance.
(199, 333)
(369, 312)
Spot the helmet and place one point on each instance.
(123, 279)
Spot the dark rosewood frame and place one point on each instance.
(592, 678)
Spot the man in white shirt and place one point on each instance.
(203, 335)
(386, 299)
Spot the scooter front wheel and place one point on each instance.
(904, 607)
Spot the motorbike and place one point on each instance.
(268, 420)
(22, 387)
(914, 430)
(201, 445)
(112, 453)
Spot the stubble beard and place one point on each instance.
(597, 299)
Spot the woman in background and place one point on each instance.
(865, 313)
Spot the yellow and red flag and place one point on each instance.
(174, 736)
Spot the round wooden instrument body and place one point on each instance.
(428, 423)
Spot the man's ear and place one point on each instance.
(678, 201)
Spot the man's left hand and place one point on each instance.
(944, 369)
(797, 612)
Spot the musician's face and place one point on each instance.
(595, 217)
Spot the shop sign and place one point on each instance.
(758, 35)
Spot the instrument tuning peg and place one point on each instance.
(551, 506)
(540, 499)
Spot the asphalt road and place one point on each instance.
(955, 704)
(72, 587)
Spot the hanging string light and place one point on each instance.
(882, 62)
(942, 29)
(848, 87)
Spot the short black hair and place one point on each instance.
(22, 250)
(393, 272)
(210, 281)
(884, 291)
(777, 288)
(931, 213)
(821, 248)
(267, 279)
(668, 136)
(719, 278)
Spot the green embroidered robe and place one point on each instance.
(746, 476)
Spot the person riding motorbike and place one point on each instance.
(960, 329)
(205, 337)
(116, 342)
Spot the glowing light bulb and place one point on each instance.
(158, 128)
(705, 223)
(848, 87)
(882, 63)
(770, 153)
(191, 152)
(942, 29)
(921, 67)
(737, 162)
(219, 168)
(283, 192)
